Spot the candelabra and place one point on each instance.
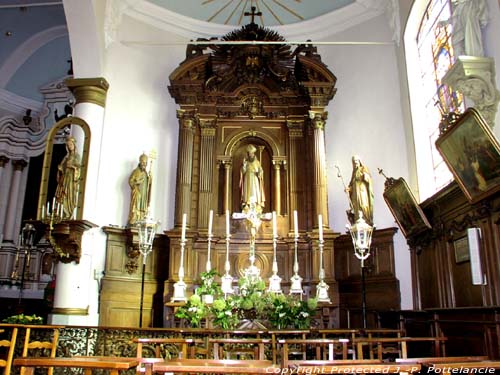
(361, 233)
(227, 279)
(322, 287)
(180, 286)
(296, 280)
(275, 280)
(147, 231)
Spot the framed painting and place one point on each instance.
(472, 154)
(404, 207)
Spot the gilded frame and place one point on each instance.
(47, 161)
(472, 153)
(404, 207)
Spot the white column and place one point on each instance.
(76, 297)
(3, 194)
(11, 218)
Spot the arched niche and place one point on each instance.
(81, 130)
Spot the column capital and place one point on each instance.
(187, 119)
(207, 125)
(295, 128)
(89, 90)
(19, 165)
(3, 160)
(318, 119)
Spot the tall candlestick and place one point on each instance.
(320, 226)
(295, 223)
(210, 220)
(275, 228)
(183, 233)
(228, 226)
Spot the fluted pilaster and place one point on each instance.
(320, 192)
(12, 204)
(208, 127)
(295, 135)
(184, 165)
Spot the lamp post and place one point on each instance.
(147, 231)
(361, 233)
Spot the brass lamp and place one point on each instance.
(361, 233)
(147, 230)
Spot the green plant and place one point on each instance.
(224, 312)
(23, 319)
(194, 311)
(208, 284)
(288, 312)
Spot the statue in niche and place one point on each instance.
(252, 181)
(68, 178)
(360, 192)
(140, 185)
(467, 18)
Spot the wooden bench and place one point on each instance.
(318, 344)
(439, 348)
(240, 346)
(207, 366)
(426, 360)
(113, 364)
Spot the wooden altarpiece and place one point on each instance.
(271, 96)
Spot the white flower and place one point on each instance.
(228, 313)
(304, 314)
(281, 315)
(193, 309)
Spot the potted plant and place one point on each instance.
(209, 288)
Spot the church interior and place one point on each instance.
(249, 186)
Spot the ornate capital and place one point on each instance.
(19, 165)
(474, 77)
(187, 119)
(295, 128)
(318, 119)
(89, 90)
(3, 160)
(208, 126)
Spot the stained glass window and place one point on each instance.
(436, 56)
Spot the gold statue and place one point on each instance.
(360, 192)
(68, 178)
(252, 181)
(140, 183)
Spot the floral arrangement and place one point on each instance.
(23, 319)
(208, 284)
(253, 303)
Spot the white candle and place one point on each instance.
(210, 220)
(228, 225)
(43, 211)
(320, 226)
(183, 235)
(54, 204)
(48, 209)
(275, 229)
(295, 223)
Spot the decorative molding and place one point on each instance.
(89, 90)
(22, 53)
(18, 104)
(113, 19)
(317, 28)
(70, 311)
(474, 77)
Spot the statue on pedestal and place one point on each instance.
(252, 181)
(68, 177)
(360, 192)
(467, 18)
(140, 184)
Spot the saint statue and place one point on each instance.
(68, 178)
(140, 185)
(252, 181)
(467, 18)
(360, 192)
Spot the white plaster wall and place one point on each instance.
(365, 118)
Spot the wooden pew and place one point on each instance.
(439, 348)
(113, 364)
(317, 343)
(427, 360)
(207, 366)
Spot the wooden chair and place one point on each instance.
(341, 334)
(42, 348)
(241, 348)
(323, 348)
(287, 334)
(388, 350)
(10, 344)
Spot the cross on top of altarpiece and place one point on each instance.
(252, 14)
